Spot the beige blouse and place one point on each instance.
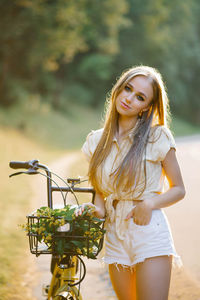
(155, 154)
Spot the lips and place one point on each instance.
(124, 105)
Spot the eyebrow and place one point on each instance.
(138, 91)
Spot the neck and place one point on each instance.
(125, 124)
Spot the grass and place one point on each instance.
(65, 131)
(52, 128)
(183, 128)
(14, 206)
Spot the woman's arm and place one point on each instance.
(143, 211)
(176, 191)
(100, 206)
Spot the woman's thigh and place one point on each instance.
(123, 281)
(153, 278)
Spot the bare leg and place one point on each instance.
(123, 281)
(153, 278)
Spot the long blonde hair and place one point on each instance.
(129, 170)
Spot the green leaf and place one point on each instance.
(77, 243)
(60, 246)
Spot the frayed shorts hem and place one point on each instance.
(176, 261)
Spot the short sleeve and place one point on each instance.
(160, 143)
(91, 143)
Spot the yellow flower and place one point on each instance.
(78, 251)
(41, 229)
(48, 238)
(57, 222)
(62, 222)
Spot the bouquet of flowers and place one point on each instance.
(63, 232)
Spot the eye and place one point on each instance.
(140, 98)
(127, 88)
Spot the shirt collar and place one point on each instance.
(129, 135)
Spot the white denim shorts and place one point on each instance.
(141, 242)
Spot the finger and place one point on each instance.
(78, 211)
(136, 221)
(82, 208)
(91, 207)
(133, 212)
(128, 216)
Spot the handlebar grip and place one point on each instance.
(19, 165)
(22, 164)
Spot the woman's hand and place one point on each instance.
(98, 209)
(93, 209)
(80, 209)
(141, 213)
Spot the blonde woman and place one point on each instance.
(129, 159)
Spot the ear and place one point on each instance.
(147, 108)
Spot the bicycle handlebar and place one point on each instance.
(33, 166)
(24, 164)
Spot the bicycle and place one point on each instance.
(67, 267)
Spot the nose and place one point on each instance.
(129, 98)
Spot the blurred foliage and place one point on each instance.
(40, 38)
(165, 34)
(73, 50)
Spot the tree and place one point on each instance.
(165, 34)
(39, 37)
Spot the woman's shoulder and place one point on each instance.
(91, 142)
(159, 132)
(95, 135)
(159, 143)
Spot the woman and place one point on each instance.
(129, 160)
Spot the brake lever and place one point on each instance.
(32, 164)
(29, 172)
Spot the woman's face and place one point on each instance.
(135, 97)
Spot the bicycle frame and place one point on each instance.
(65, 275)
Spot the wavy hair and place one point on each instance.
(129, 171)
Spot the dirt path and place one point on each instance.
(184, 216)
(184, 220)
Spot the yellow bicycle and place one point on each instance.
(57, 232)
(64, 279)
